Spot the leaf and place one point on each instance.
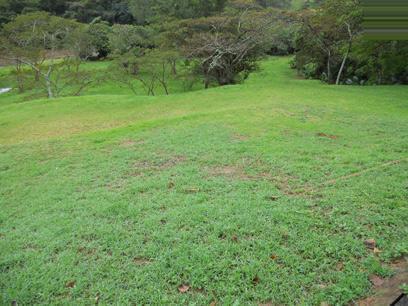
(70, 284)
(377, 251)
(370, 244)
(183, 288)
(274, 257)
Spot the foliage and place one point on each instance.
(235, 192)
(331, 42)
(147, 11)
(112, 11)
(125, 38)
(33, 40)
(324, 35)
(151, 68)
(99, 35)
(380, 62)
(226, 47)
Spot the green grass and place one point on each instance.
(257, 193)
(101, 70)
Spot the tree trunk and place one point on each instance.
(37, 75)
(48, 83)
(328, 67)
(347, 53)
(174, 67)
(343, 64)
(206, 82)
(20, 78)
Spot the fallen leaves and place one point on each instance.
(70, 284)
(370, 244)
(183, 288)
(377, 251)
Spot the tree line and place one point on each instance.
(216, 42)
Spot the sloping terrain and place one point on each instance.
(261, 193)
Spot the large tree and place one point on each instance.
(226, 47)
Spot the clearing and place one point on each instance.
(262, 193)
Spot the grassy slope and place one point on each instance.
(130, 197)
(100, 70)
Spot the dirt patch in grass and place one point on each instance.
(140, 261)
(324, 135)
(239, 138)
(227, 171)
(236, 172)
(284, 182)
(131, 143)
(386, 291)
(160, 165)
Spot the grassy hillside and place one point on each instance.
(257, 193)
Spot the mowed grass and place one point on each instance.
(257, 193)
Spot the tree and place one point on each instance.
(226, 47)
(331, 28)
(112, 11)
(32, 38)
(124, 38)
(149, 68)
(99, 32)
(148, 11)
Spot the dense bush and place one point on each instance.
(331, 47)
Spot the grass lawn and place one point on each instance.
(251, 194)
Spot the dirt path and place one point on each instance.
(388, 290)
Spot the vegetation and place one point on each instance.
(177, 152)
(331, 46)
(257, 193)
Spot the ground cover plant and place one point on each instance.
(275, 191)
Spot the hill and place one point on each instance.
(265, 192)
